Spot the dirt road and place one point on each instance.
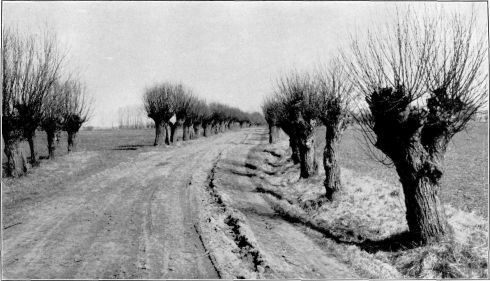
(135, 220)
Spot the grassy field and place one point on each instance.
(97, 140)
(365, 225)
(465, 180)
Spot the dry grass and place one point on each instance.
(97, 140)
(367, 219)
(465, 181)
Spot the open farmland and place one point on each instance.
(465, 182)
(244, 140)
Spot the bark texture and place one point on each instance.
(16, 160)
(332, 170)
(420, 179)
(308, 163)
(415, 141)
(305, 132)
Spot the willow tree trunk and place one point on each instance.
(293, 143)
(420, 179)
(167, 134)
(51, 145)
(173, 128)
(205, 130)
(158, 133)
(196, 131)
(272, 134)
(16, 159)
(72, 141)
(30, 139)
(332, 170)
(308, 163)
(185, 132)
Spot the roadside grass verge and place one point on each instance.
(365, 224)
(465, 180)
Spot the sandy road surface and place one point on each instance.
(135, 220)
(292, 250)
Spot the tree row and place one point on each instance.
(37, 93)
(410, 86)
(173, 106)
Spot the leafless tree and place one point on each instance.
(198, 113)
(158, 103)
(207, 121)
(13, 48)
(54, 113)
(182, 101)
(423, 78)
(335, 92)
(31, 64)
(132, 117)
(269, 108)
(297, 94)
(190, 114)
(77, 109)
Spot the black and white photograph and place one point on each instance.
(244, 140)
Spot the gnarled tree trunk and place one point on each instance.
(72, 141)
(167, 134)
(158, 133)
(420, 177)
(31, 136)
(304, 132)
(293, 143)
(332, 170)
(308, 163)
(16, 159)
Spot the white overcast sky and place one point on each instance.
(229, 52)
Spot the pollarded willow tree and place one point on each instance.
(31, 64)
(335, 91)
(423, 78)
(192, 112)
(269, 108)
(198, 114)
(77, 109)
(207, 121)
(182, 103)
(158, 103)
(54, 113)
(298, 105)
(13, 49)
